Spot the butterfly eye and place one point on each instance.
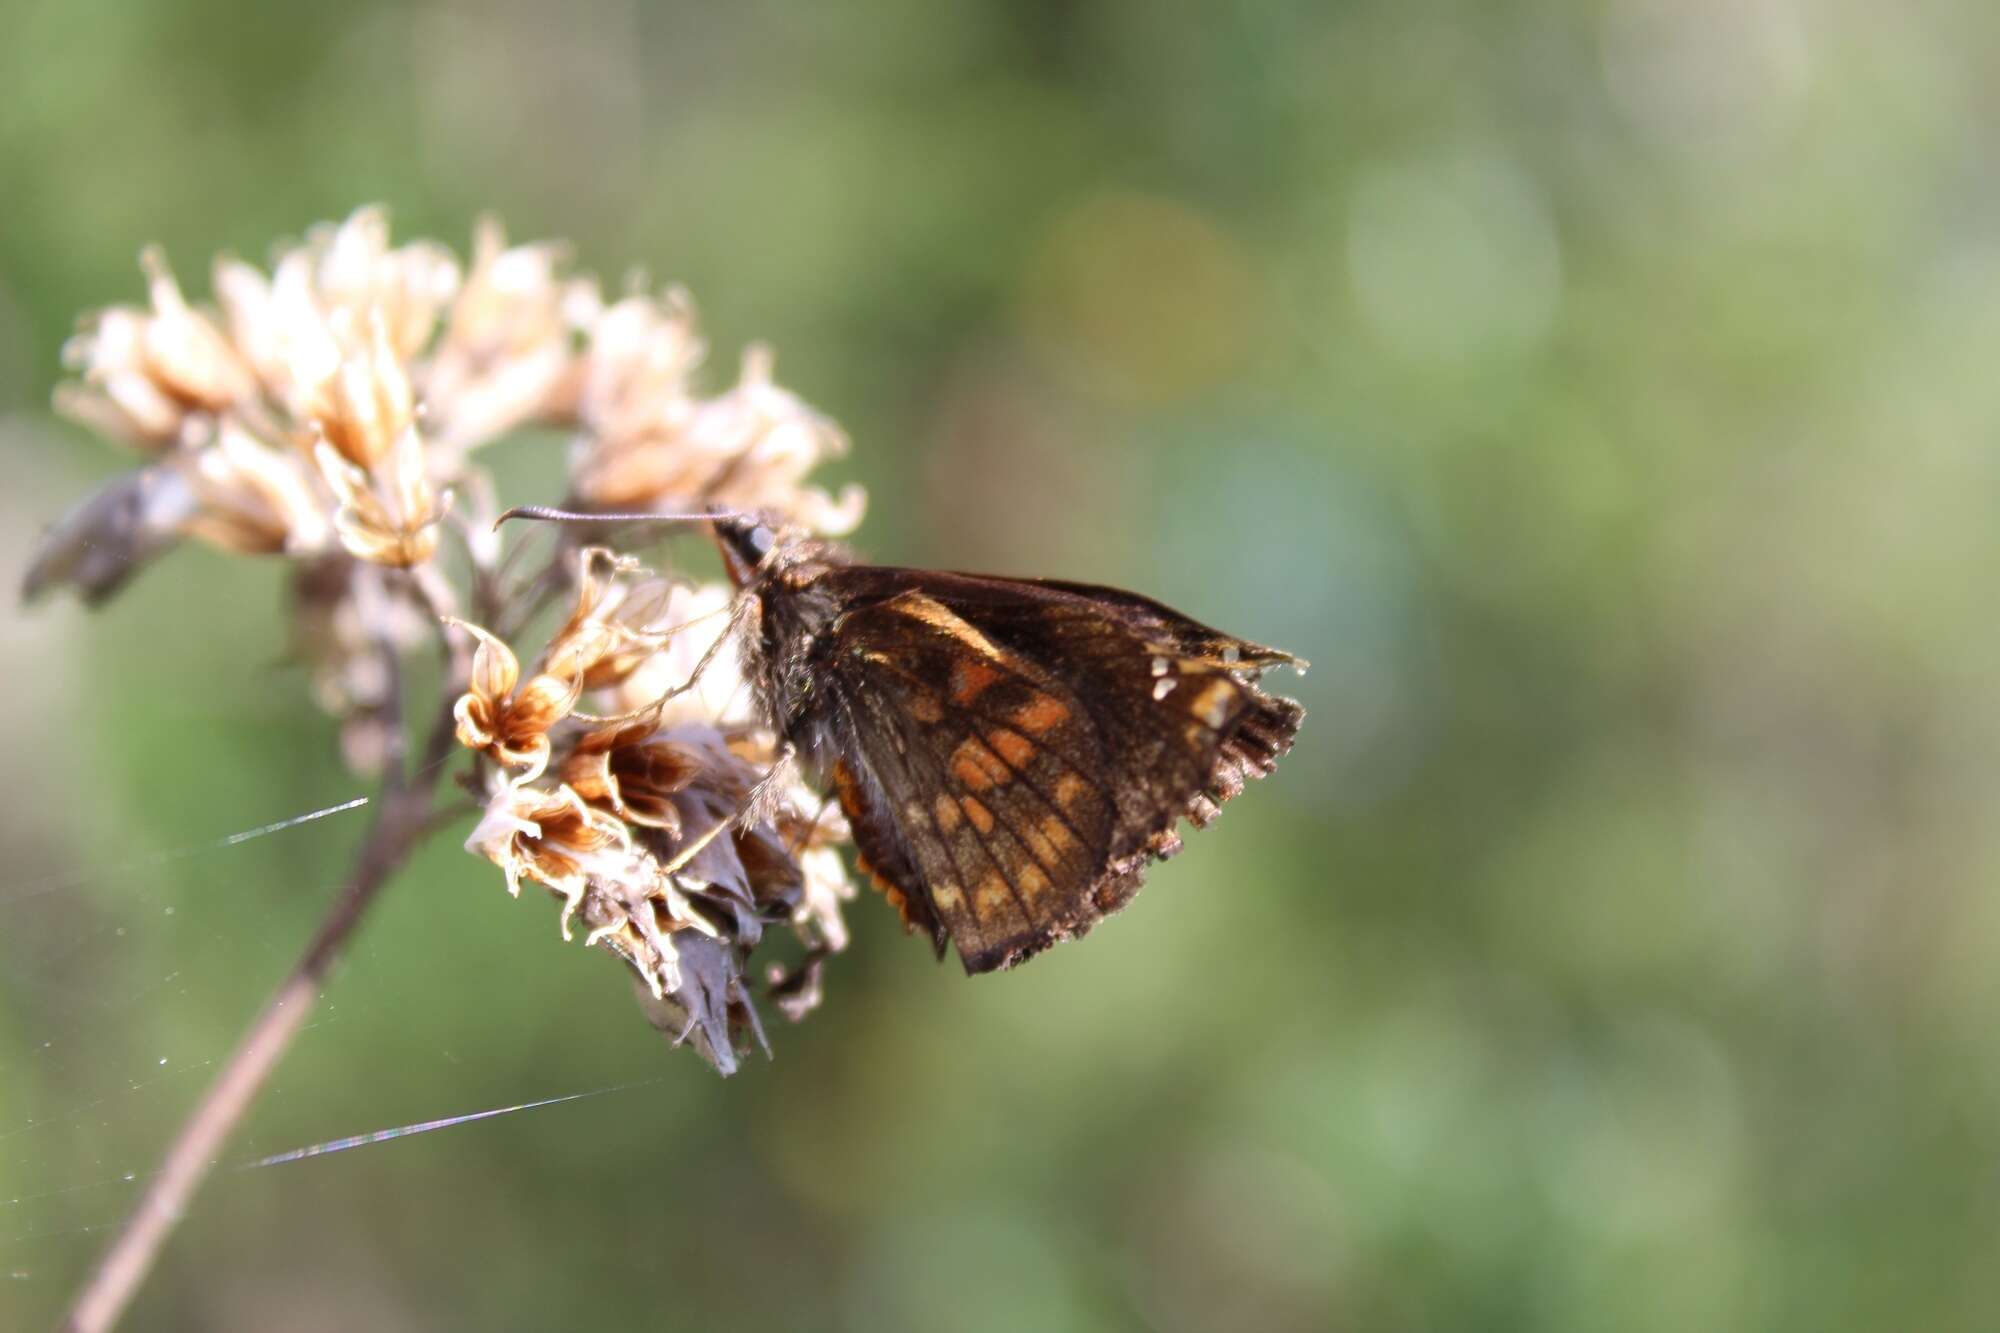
(744, 543)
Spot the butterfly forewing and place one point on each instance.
(1010, 753)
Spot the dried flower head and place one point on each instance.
(505, 358)
(154, 377)
(508, 726)
(328, 411)
(610, 634)
(650, 441)
(676, 838)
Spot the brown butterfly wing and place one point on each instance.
(1019, 750)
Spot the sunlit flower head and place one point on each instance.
(673, 833)
(651, 441)
(329, 410)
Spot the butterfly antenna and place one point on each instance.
(548, 514)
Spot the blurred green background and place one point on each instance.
(1597, 393)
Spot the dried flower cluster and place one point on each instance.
(330, 412)
(670, 830)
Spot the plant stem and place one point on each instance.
(402, 818)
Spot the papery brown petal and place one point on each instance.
(531, 754)
(546, 863)
(544, 701)
(495, 669)
(184, 349)
(589, 775)
(255, 499)
(416, 498)
(123, 407)
(620, 732)
(648, 776)
(579, 649)
(474, 715)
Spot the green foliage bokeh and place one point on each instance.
(1592, 391)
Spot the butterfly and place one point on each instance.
(1010, 753)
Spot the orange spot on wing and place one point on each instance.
(970, 678)
(1038, 843)
(1041, 714)
(981, 817)
(1032, 881)
(977, 767)
(968, 772)
(1057, 833)
(897, 898)
(924, 707)
(1015, 748)
(1212, 704)
(1070, 789)
(948, 817)
(847, 786)
(993, 894)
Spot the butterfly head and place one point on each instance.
(747, 543)
(758, 550)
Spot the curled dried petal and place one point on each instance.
(495, 669)
(386, 520)
(361, 401)
(622, 768)
(254, 498)
(184, 349)
(511, 727)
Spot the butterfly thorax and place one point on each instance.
(790, 620)
(786, 640)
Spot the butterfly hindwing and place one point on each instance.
(1016, 751)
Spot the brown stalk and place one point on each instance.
(403, 816)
